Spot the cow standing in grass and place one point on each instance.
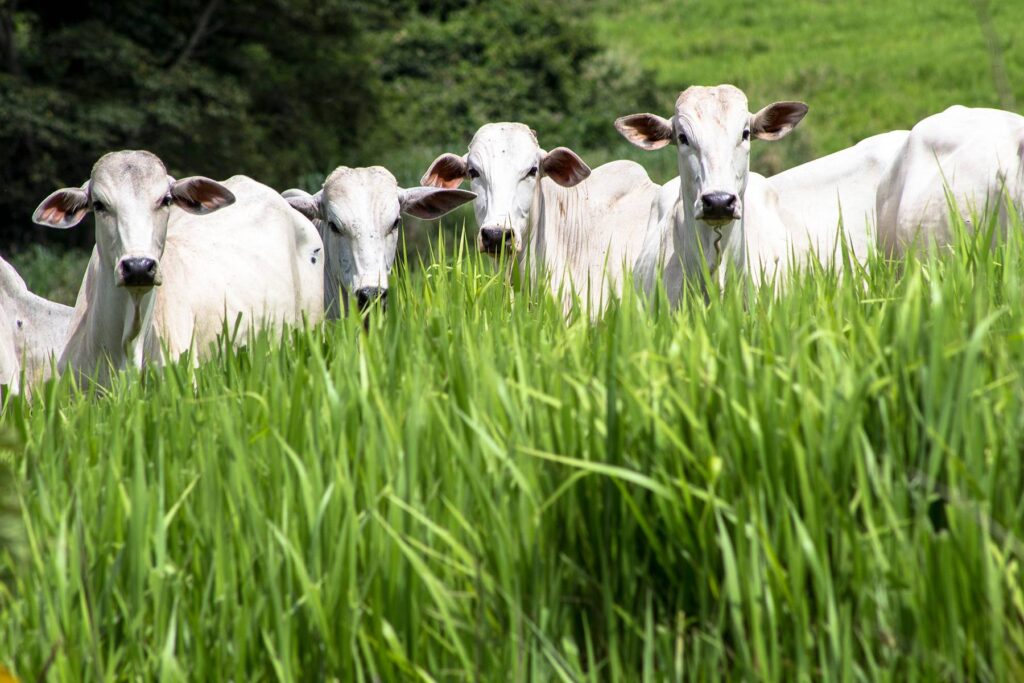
(972, 157)
(559, 219)
(163, 275)
(32, 330)
(358, 213)
(726, 218)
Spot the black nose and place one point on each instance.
(138, 272)
(718, 206)
(494, 239)
(366, 296)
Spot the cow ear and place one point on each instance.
(777, 120)
(646, 131)
(305, 203)
(564, 166)
(429, 203)
(200, 195)
(447, 171)
(63, 209)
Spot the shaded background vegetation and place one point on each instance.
(284, 91)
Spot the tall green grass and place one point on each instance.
(825, 484)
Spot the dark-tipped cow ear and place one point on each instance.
(448, 171)
(777, 120)
(646, 131)
(200, 195)
(429, 203)
(305, 203)
(564, 166)
(64, 208)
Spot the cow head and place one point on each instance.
(504, 165)
(130, 195)
(712, 128)
(358, 211)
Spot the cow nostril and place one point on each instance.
(718, 204)
(138, 272)
(493, 239)
(367, 296)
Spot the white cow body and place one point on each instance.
(724, 218)
(358, 213)
(974, 154)
(273, 274)
(585, 236)
(839, 187)
(33, 329)
(579, 228)
(163, 277)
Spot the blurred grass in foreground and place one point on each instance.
(825, 485)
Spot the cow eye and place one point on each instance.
(334, 227)
(683, 140)
(746, 134)
(166, 201)
(98, 206)
(473, 173)
(394, 226)
(532, 172)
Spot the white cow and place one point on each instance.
(976, 155)
(840, 187)
(576, 226)
(36, 328)
(161, 276)
(358, 212)
(724, 215)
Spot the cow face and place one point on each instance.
(712, 129)
(130, 195)
(504, 166)
(358, 211)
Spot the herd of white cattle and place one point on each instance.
(177, 261)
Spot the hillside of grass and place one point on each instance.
(826, 485)
(864, 68)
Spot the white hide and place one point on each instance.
(724, 215)
(579, 228)
(254, 263)
(976, 155)
(840, 187)
(35, 327)
(358, 213)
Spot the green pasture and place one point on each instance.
(823, 485)
(864, 67)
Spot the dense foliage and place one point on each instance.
(282, 91)
(821, 486)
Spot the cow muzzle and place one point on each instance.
(718, 207)
(495, 240)
(367, 296)
(137, 272)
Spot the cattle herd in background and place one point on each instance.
(177, 260)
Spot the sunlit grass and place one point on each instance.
(824, 484)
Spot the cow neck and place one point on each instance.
(723, 247)
(116, 324)
(558, 238)
(335, 294)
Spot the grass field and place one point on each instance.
(822, 486)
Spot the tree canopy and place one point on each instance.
(283, 90)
